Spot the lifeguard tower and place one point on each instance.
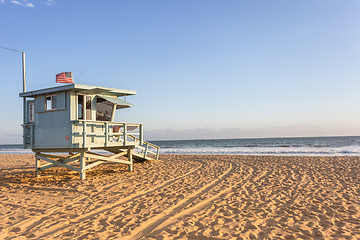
(64, 125)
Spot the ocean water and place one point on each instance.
(309, 146)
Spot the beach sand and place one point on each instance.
(184, 197)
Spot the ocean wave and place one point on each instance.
(321, 146)
(293, 151)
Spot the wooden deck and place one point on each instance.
(119, 140)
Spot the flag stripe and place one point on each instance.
(64, 77)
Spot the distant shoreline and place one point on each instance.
(210, 139)
(305, 146)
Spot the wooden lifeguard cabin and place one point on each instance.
(77, 119)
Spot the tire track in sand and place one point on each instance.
(149, 190)
(55, 228)
(148, 226)
(171, 219)
(252, 179)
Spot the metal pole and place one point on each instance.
(24, 100)
(23, 65)
(24, 90)
(23, 71)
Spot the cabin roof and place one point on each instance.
(80, 88)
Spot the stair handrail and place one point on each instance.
(147, 145)
(150, 144)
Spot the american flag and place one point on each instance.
(64, 77)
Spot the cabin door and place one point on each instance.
(30, 122)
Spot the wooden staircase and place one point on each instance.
(141, 152)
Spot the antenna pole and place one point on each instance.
(24, 99)
(24, 90)
(23, 71)
(23, 65)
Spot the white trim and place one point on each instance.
(52, 107)
(79, 87)
(84, 113)
(32, 112)
(91, 107)
(77, 106)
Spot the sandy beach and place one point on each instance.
(184, 197)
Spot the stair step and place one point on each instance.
(136, 155)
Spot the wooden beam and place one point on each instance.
(113, 156)
(104, 158)
(94, 164)
(119, 155)
(59, 150)
(120, 161)
(75, 156)
(50, 165)
(57, 163)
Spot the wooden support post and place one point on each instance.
(131, 168)
(146, 150)
(157, 154)
(82, 166)
(84, 133)
(125, 134)
(141, 131)
(37, 167)
(106, 134)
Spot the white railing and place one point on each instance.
(147, 149)
(88, 133)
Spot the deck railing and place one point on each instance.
(87, 133)
(111, 134)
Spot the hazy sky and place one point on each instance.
(202, 68)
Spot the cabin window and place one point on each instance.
(104, 110)
(50, 103)
(31, 112)
(84, 100)
(80, 106)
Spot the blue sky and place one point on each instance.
(202, 69)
